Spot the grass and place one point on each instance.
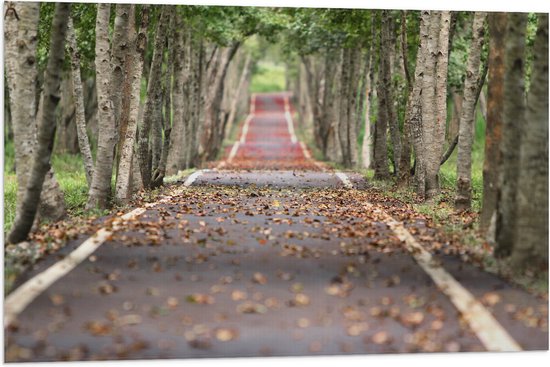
(69, 172)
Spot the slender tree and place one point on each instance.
(46, 129)
(100, 189)
(124, 179)
(151, 112)
(21, 36)
(463, 198)
(80, 114)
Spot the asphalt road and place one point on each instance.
(269, 254)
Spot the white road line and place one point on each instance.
(20, 298)
(345, 179)
(304, 150)
(233, 151)
(245, 128)
(193, 177)
(289, 122)
(488, 330)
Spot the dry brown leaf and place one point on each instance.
(259, 278)
(381, 337)
(225, 335)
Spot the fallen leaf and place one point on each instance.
(225, 335)
(381, 337)
(412, 319)
(57, 299)
(98, 328)
(251, 308)
(490, 299)
(172, 302)
(238, 295)
(203, 299)
(259, 278)
(132, 319)
(303, 322)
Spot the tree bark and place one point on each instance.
(153, 100)
(493, 130)
(123, 188)
(66, 140)
(381, 170)
(513, 121)
(120, 48)
(435, 134)
(80, 117)
(405, 158)
(415, 104)
(100, 189)
(46, 130)
(463, 198)
(386, 77)
(238, 93)
(366, 157)
(176, 153)
(531, 241)
(21, 73)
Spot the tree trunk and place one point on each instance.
(238, 93)
(80, 118)
(354, 103)
(21, 74)
(386, 77)
(493, 130)
(463, 199)
(46, 130)
(405, 158)
(437, 115)
(454, 121)
(100, 189)
(66, 140)
(118, 56)
(153, 100)
(366, 157)
(209, 136)
(414, 113)
(343, 114)
(513, 122)
(381, 170)
(124, 175)
(531, 242)
(176, 153)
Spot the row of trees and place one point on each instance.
(153, 89)
(162, 85)
(392, 74)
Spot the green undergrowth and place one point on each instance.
(268, 77)
(69, 172)
(464, 226)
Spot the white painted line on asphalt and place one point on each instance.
(20, 298)
(233, 151)
(246, 125)
(305, 151)
(193, 177)
(345, 180)
(289, 121)
(488, 330)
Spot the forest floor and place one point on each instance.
(266, 253)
